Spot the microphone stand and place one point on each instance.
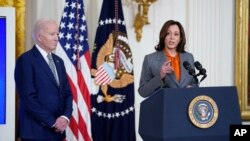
(192, 72)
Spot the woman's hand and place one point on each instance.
(166, 69)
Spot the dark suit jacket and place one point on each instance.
(150, 79)
(41, 100)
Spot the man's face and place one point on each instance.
(48, 36)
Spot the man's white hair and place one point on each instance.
(38, 27)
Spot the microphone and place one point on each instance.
(202, 71)
(186, 65)
(198, 66)
(191, 71)
(204, 76)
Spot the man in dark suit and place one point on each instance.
(45, 99)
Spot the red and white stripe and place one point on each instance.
(102, 77)
(79, 80)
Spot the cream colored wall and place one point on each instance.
(209, 27)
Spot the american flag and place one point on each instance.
(73, 48)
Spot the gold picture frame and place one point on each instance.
(242, 56)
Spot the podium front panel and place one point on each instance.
(164, 116)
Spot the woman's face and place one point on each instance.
(173, 37)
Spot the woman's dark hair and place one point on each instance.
(163, 34)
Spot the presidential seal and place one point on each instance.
(203, 111)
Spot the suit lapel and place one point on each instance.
(162, 58)
(44, 65)
(183, 70)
